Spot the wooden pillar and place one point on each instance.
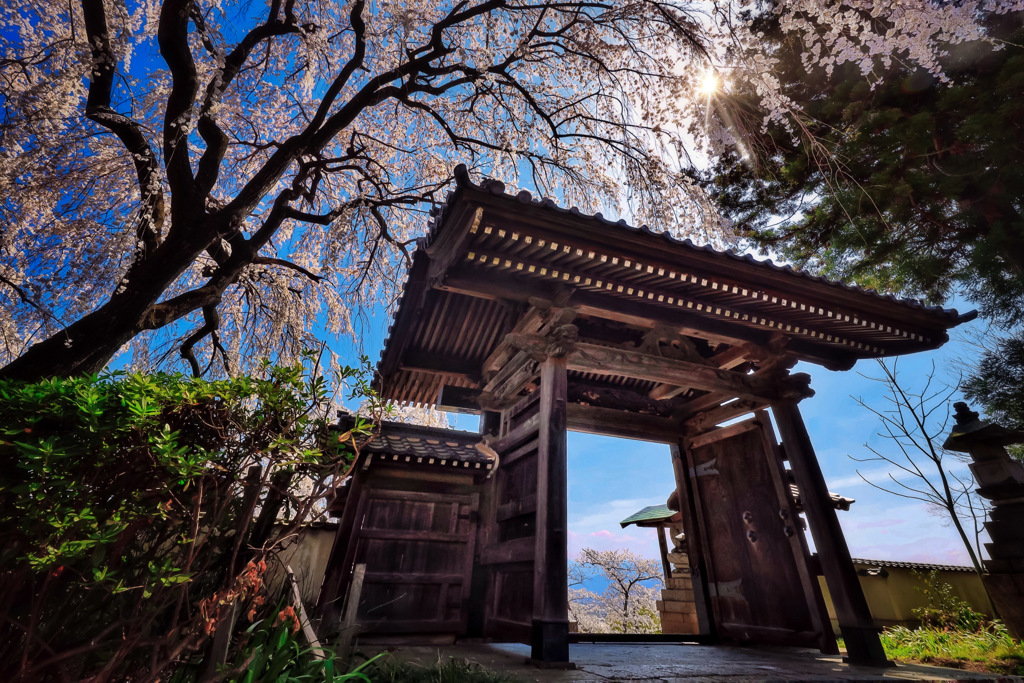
(550, 635)
(337, 574)
(862, 643)
(666, 566)
(490, 423)
(694, 552)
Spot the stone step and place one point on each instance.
(675, 623)
(676, 607)
(677, 595)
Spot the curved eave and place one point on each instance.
(487, 252)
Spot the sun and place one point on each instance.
(709, 84)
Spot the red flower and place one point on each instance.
(287, 613)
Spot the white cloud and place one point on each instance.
(877, 475)
(596, 525)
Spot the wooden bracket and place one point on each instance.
(668, 343)
(540, 318)
(556, 343)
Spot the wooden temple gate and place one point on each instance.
(542, 320)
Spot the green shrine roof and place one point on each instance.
(651, 513)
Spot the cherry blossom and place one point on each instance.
(205, 183)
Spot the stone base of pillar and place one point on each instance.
(863, 646)
(550, 643)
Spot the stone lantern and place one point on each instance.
(1000, 479)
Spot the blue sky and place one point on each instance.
(609, 479)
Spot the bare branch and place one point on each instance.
(212, 322)
(266, 260)
(908, 424)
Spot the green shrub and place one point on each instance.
(943, 609)
(136, 511)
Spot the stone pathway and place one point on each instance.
(677, 662)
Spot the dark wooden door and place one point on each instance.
(418, 551)
(756, 562)
(509, 527)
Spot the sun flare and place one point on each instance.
(709, 84)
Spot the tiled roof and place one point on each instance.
(651, 513)
(442, 448)
(920, 566)
(496, 187)
(432, 445)
(489, 237)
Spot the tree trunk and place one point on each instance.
(88, 344)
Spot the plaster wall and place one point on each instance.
(894, 592)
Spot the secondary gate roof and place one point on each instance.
(488, 253)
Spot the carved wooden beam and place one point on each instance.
(731, 357)
(772, 383)
(597, 359)
(603, 360)
(675, 346)
(611, 422)
(618, 397)
(557, 341)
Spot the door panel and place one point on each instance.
(509, 527)
(757, 574)
(418, 549)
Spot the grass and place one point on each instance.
(990, 650)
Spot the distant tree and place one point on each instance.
(887, 175)
(584, 604)
(916, 422)
(428, 417)
(627, 605)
